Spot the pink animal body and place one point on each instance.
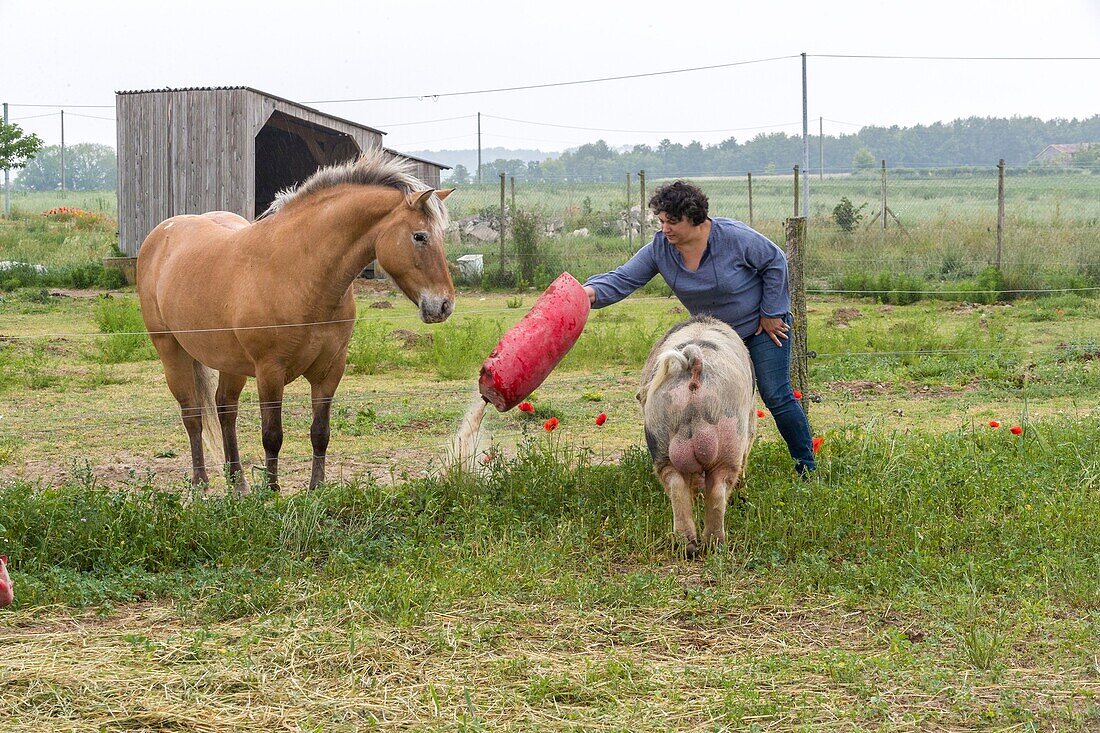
(700, 420)
(7, 593)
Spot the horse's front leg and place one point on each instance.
(271, 422)
(323, 387)
(319, 434)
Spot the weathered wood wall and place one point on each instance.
(188, 151)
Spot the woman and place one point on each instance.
(726, 269)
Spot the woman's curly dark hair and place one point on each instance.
(680, 200)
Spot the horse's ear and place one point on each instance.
(444, 193)
(417, 199)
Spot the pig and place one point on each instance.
(7, 595)
(699, 408)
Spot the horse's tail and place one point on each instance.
(206, 388)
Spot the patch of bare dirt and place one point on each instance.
(411, 338)
(864, 388)
(861, 387)
(841, 317)
(73, 293)
(381, 304)
(368, 286)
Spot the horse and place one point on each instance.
(272, 299)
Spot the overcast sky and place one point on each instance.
(80, 52)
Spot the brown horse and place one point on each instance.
(273, 299)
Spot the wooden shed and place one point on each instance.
(186, 151)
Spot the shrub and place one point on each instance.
(525, 233)
(846, 215)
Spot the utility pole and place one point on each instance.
(479, 147)
(821, 148)
(62, 150)
(805, 148)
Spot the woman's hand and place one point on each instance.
(776, 328)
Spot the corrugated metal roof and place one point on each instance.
(261, 93)
(422, 160)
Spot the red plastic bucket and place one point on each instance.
(530, 350)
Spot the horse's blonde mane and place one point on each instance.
(374, 167)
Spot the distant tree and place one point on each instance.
(88, 167)
(863, 160)
(1089, 157)
(16, 147)
(459, 175)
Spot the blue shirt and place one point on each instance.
(741, 277)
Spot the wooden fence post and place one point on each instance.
(796, 187)
(1000, 211)
(795, 250)
(629, 218)
(502, 250)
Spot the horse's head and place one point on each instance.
(410, 250)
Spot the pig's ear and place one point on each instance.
(640, 397)
(3, 559)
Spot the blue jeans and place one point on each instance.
(772, 365)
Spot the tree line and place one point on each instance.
(973, 141)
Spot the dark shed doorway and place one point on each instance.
(289, 150)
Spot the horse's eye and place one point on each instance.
(420, 237)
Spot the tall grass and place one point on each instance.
(993, 514)
(120, 318)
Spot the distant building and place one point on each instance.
(1061, 154)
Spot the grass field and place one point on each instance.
(938, 574)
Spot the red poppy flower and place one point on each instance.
(527, 407)
(994, 424)
(1016, 430)
(817, 444)
(550, 424)
(601, 419)
(760, 413)
(797, 395)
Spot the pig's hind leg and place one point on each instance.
(720, 482)
(681, 492)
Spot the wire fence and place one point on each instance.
(1036, 227)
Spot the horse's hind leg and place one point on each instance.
(228, 399)
(179, 372)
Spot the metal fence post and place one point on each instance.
(1000, 210)
(795, 246)
(641, 225)
(750, 198)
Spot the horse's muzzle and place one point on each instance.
(436, 308)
